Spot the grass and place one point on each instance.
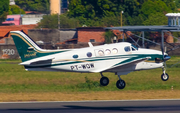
(14, 80)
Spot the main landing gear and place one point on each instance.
(120, 83)
(104, 81)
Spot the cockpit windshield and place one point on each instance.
(134, 47)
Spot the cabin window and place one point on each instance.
(114, 51)
(107, 52)
(75, 56)
(127, 49)
(89, 54)
(101, 53)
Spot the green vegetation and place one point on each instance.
(14, 9)
(34, 5)
(104, 12)
(108, 36)
(4, 7)
(14, 79)
(50, 21)
(108, 13)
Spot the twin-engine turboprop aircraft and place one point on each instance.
(119, 58)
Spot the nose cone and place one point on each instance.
(166, 57)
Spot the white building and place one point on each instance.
(173, 19)
(12, 2)
(31, 19)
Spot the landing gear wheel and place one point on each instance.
(165, 77)
(104, 81)
(120, 84)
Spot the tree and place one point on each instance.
(177, 2)
(107, 12)
(108, 35)
(154, 12)
(156, 19)
(4, 7)
(34, 5)
(171, 4)
(86, 10)
(14, 9)
(92, 12)
(51, 21)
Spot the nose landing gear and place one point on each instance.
(164, 76)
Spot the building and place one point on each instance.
(13, 20)
(31, 19)
(23, 19)
(64, 6)
(58, 6)
(90, 34)
(55, 6)
(173, 19)
(12, 2)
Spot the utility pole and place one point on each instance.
(121, 17)
(59, 4)
(58, 21)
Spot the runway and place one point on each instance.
(143, 106)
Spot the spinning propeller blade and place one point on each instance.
(165, 57)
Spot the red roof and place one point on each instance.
(32, 12)
(4, 30)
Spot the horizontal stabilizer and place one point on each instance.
(37, 62)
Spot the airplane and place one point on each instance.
(119, 58)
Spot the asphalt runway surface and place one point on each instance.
(139, 106)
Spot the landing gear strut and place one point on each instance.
(104, 81)
(164, 76)
(120, 83)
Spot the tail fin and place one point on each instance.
(28, 49)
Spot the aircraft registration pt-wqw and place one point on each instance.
(119, 58)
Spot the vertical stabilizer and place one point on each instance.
(27, 48)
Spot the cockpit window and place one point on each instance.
(127, 49)
(134, 47)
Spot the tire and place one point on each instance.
(104, 81)
(165, 77)
(120, 84)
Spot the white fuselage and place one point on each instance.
(121, 58)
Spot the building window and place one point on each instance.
(92, 40)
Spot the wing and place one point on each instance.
(122, 64)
